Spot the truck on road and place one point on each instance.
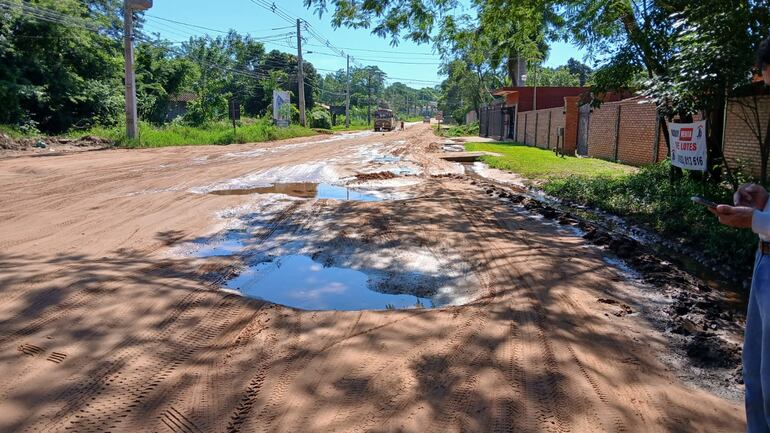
(384, 120)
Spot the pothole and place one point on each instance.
(304, 190)
(300, 282)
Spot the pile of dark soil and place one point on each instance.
(26, 144)
(380, 175)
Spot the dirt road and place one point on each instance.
(112, 316)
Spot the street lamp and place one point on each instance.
(129, 6)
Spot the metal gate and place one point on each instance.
(583, 124)
(484, 121)
(496, 121)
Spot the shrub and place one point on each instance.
(649, 197)
(320, 118)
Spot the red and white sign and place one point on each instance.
(688, 145)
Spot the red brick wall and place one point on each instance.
(601, 131)
(537, 127)
(637, 132)
(529, 138)
(571, 124)
(635, 136)
(740, 141)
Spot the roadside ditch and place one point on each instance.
(703, 314)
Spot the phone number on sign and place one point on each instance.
(689, 160)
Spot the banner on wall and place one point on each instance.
(688, 145)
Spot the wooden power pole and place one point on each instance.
(369, 100)
(347, 98)
(300, 75)
(129, 6)
(128, 36)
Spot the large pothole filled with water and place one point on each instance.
(300, 282)
(322, 255)
(306, 190)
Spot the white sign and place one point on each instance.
(688, 145)
(281, 108)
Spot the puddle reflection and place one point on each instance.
(304, 190)
(300, 282)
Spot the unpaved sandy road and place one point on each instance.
(105, 326)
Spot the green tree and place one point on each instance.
(714, 43)
(160, 74)
(58, 75)
(580, 69)
(552, 77)
(511, 33)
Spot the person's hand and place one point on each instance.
(734, 216)
(751, 195)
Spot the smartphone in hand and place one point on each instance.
(703, 202)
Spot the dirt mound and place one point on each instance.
(61, 144)
(380, 175)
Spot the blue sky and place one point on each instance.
(413, 64)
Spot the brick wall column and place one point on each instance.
(571, 124)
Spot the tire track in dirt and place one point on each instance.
(246, 402)
(241, 414)
(605, 412)
(108, 371)
(128, 395)
(542, 381)
(635, 385)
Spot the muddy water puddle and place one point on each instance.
(300, 282)
(304, 190)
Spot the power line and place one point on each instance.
(195, 26)
(397, 62)
(386, 51)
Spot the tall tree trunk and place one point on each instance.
(512, 66)
(714, 145)
(765, 153)
(654, 67)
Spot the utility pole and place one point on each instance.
(132, 129)
(300, 75)
(347, 98)
(369, 101)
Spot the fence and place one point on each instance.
(540, 127)
(741, 125)
(628, 131)
(492, 121)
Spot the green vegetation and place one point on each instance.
(470, 130)
(15, 133)
(645, 196)
(648, 197)
(178, 134)
(67, 75)
(541, 164)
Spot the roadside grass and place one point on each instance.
(15, 133)
(469, 130)
(650, 198)
(541, 164)
(214, 133)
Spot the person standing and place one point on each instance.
(752, 210)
